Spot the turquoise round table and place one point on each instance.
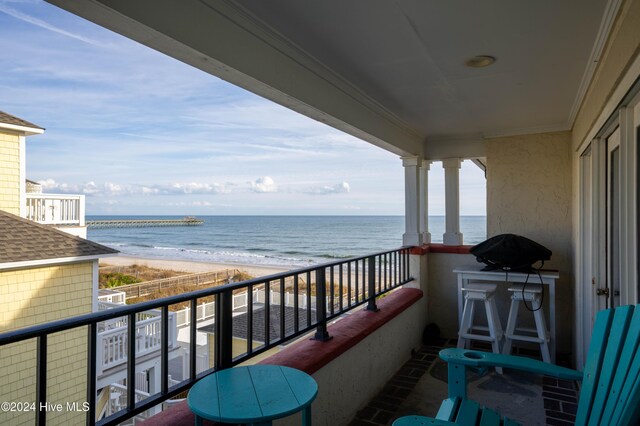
(254, 394)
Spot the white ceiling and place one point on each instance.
(388, 71)
(409, 56)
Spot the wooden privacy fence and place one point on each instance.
(199, 279)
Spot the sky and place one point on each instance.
(138, 132)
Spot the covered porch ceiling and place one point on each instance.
(390, 72)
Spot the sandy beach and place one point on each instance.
(191, 266)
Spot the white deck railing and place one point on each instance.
(112, 343)
(114, 297)
(112, 338)
(55, 209)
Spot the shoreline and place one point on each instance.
(192, 266)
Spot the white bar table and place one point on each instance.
(474, 273)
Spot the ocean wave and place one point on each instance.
(334, 256)
(229, 256)
(252, 256)
(125, 245)
(115, 244)
(181, 249)
(240, 254)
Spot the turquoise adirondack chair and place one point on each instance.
(610, 393)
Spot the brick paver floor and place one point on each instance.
(406, 388)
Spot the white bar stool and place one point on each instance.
(480, 292)
(532, 294)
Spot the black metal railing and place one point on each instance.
(270, 318)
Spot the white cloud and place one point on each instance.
(192, 188)
(111, 189)
(339, 188)
(264, 184)
(202, 203)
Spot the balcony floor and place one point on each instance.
(420, 386)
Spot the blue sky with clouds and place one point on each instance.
(141, 133)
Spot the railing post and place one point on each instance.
(224, 330)
(164, 349)
(193, 335)
(131, 361)
(371, 305)
(91, 372)
(41, 381)
(321, 308)
(407, 256)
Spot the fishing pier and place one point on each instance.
(144, 223)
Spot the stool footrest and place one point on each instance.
(527, 329)
(480, 337)
(526, 338)
(480, 327)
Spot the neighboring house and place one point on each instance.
(24, 197)
(48, 275)
(33, 187)
(45, 275)
(13, 132)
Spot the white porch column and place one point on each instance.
(424, 201)
(412, 235)
(452, 235)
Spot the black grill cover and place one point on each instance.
(510, 252)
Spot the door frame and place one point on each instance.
(591, 268)
(613, 238)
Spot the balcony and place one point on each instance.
(245, 320)
(55, 209)
(369, 363)
(63, 211)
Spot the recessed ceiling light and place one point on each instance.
(480, 61)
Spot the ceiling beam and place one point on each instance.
(467, 146)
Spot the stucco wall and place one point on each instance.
(443, 289)
(350, 381)
(10, 172)
(622, 47)
(529, 182)
(33, 296)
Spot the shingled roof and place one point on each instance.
(22, 240)
(15, 121)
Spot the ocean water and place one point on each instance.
(291, 241)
